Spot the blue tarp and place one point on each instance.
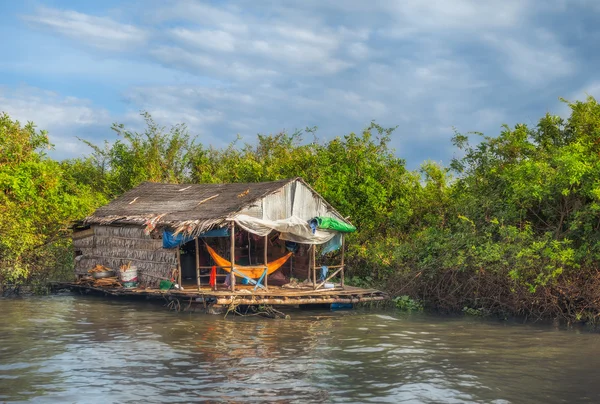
(171, 241)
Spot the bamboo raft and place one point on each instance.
(243, 295)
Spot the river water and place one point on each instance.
(85, 349)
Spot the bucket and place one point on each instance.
(130, 285)
(129, 275)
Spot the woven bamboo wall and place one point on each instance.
(113, 246)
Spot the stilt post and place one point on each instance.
(343, 269)
(198, 263)
(266, 261)
(232, 253)
(179, 267)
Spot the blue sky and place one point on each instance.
(246, 67)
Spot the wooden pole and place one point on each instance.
(314, 265)
(343, 269)
(179, 267)
(198, 263)
(266, 260)
(232, 253)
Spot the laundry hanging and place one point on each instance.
(213, 277)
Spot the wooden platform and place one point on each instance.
(244, 295)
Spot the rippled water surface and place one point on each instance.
(78, 349)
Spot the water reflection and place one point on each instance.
(87, 349)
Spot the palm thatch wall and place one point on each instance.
(83, 242)
(113, 246)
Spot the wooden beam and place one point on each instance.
(198, 263)
(218, 267)
(331, 266)
(281, 301)
(266, 261)
(232, 253)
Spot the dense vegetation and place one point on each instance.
(510, 228)
(38, 201)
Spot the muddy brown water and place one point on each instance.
(85, 349)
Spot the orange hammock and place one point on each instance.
(250, 272)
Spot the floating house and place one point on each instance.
(277, 243)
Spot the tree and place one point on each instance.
(37, 203)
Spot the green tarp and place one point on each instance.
(331, 223)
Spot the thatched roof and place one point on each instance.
(189, 208)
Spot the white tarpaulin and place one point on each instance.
(292, 229)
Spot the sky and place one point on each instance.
(242, 67)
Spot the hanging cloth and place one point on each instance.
(213, 277)
(324, 270)
(253, 272)
(292, 229)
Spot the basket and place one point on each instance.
(129, 275)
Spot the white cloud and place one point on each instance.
(101, 32)
(47, 108)
(353, 105)
(218, 114)
(190, 95)
(358, 50)
(63, 117)
(208, 39)
(195, 119)
(535, 59)
(299, 51)
(202, 63)
(411, 17)
(285, 43)
(199, 12)
(590, 89)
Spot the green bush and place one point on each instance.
(38, 202)
(406, 303)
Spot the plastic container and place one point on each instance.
(129, 275)
(328, 285)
